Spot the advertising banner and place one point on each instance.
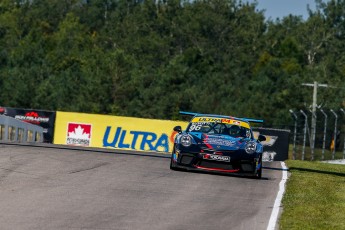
(105, 131)
(276, 146)
(45, 119)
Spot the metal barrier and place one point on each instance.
(325, 138)
(13, 130)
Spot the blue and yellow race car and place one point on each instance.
(218, 143)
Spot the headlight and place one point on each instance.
(250, 147)
(186, 140)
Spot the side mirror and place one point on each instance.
(261, 138)
(178, 129)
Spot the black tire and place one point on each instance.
(172, 165)
(259, 172)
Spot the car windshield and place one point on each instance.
(219, 128)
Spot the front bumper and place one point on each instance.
(248, 164)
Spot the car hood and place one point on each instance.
(219, 141)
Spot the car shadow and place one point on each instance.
(317, 171)
(278, 169)
(236, 175)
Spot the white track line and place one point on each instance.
(277, 203)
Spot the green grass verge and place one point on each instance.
(314, 196)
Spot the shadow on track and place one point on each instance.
(317, 171)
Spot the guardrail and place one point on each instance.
(13, 130)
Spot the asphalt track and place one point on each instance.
(57, 188)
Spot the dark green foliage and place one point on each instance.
(150, 59)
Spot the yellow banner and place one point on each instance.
(105, 131)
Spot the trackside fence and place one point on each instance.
(322, 140)
(13, 130)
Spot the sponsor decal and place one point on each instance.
(268, 156)
(207, 119)
(270, 140)
(218, 141)
(228, 121)
(78, 134)
(236, 122)
(216, 157)
(220, 120)
(32, 117)
(146, 140)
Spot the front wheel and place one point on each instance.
(259, 171)
(172, 165)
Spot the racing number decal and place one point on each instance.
(195, 127)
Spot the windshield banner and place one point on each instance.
(221, 120)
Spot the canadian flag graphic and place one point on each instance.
(78, 134)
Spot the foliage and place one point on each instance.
(151, 59)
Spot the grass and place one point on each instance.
(314, 197)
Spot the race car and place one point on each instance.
(218, 143)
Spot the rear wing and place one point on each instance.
(223, 116)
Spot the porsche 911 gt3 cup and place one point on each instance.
(218, 143)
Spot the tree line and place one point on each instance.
(153, 58)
